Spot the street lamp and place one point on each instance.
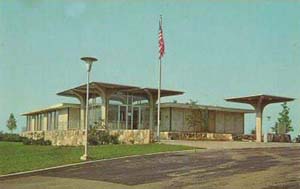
(89, 62)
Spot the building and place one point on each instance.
(131, 113)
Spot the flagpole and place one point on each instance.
(161, 53)
(158, 104)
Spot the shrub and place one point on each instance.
(114, 139)
(100, 137)
(27, 141)
(10, 137)
(93, 140)
(30, 141)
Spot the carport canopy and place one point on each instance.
(259, 102)
(117, 92)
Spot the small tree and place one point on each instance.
(284, 123)
(11, 123)
(194, 120)
(197, 119)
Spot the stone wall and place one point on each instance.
(65, 138)
(195, 136)
(75, 137)
(33, 134)
(133, 136)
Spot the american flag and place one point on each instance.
(161, 42)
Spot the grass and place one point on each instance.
(16, 157)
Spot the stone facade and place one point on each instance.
(76, 137)
(59, 137)
(133, 136)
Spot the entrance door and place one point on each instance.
(128, 117)
(135, 122)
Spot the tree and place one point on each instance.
(11, 123)
(197, 119)
(284, 123)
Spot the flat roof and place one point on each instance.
(263, 97)
(121, 90)
(51, 108)
(208, 107)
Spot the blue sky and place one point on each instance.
(214, 49)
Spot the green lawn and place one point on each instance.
(16, 157)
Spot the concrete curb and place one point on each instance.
(92, 161)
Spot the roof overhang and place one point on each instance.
(254, 99)
(52, 108)
(120, 91)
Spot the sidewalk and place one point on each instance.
(228, 144)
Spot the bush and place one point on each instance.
(42, 141)
(27, 141)
(114, 139)
(99, 137)
(10, 137)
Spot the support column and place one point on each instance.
(258, 126)
(105, 96)
(35, 122)
(152, 101)
(119, 116)
(131, 115)
(151, 110)
(82, 99)
(104, 110)
(126, 117)
(82, 115)
(140, 118)
(27, 123)
(126, 113)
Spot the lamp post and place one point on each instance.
(89, 62)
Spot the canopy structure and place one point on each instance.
(259, 102)
(117, 92)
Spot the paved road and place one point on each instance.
(265, 168)
(229, 144)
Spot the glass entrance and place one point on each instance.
(129, 117)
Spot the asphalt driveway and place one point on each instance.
(230, 168)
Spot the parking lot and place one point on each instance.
(219, 168)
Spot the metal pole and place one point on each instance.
(89, 61)
(131, 118)
(86, 116)
(140, 120)
(158, 105)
